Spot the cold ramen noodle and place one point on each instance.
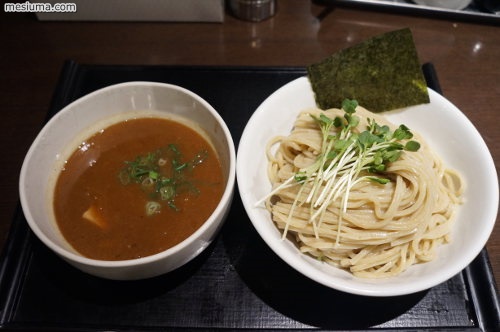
(136, 188)
(357, 192)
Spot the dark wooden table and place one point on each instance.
(466, 56)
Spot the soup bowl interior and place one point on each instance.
(95, 111)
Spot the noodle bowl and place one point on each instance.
(381, 229)
(457, 143)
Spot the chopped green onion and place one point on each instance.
(162, 174)
(167, 193)
(152, 207)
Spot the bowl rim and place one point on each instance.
(224, 200)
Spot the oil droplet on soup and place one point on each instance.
(106, 217)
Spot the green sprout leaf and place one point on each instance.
(412, 146)
(349, 106)
(348, 157)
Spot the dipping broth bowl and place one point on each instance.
(60, 136)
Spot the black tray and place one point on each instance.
(238, 282)
(477, 11)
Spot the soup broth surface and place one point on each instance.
(104, 217)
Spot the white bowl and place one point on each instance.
(57, 138)
(448, 132)
(448, 4)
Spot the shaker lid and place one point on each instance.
(252, 10)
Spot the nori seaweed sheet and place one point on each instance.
(382, 73)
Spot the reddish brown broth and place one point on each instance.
(90, 178)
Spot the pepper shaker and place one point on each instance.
(252, 10)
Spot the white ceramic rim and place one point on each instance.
(302, 85)
(226, 196)
(457, 5)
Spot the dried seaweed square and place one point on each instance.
(381, 73)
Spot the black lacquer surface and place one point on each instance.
(238, 282)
